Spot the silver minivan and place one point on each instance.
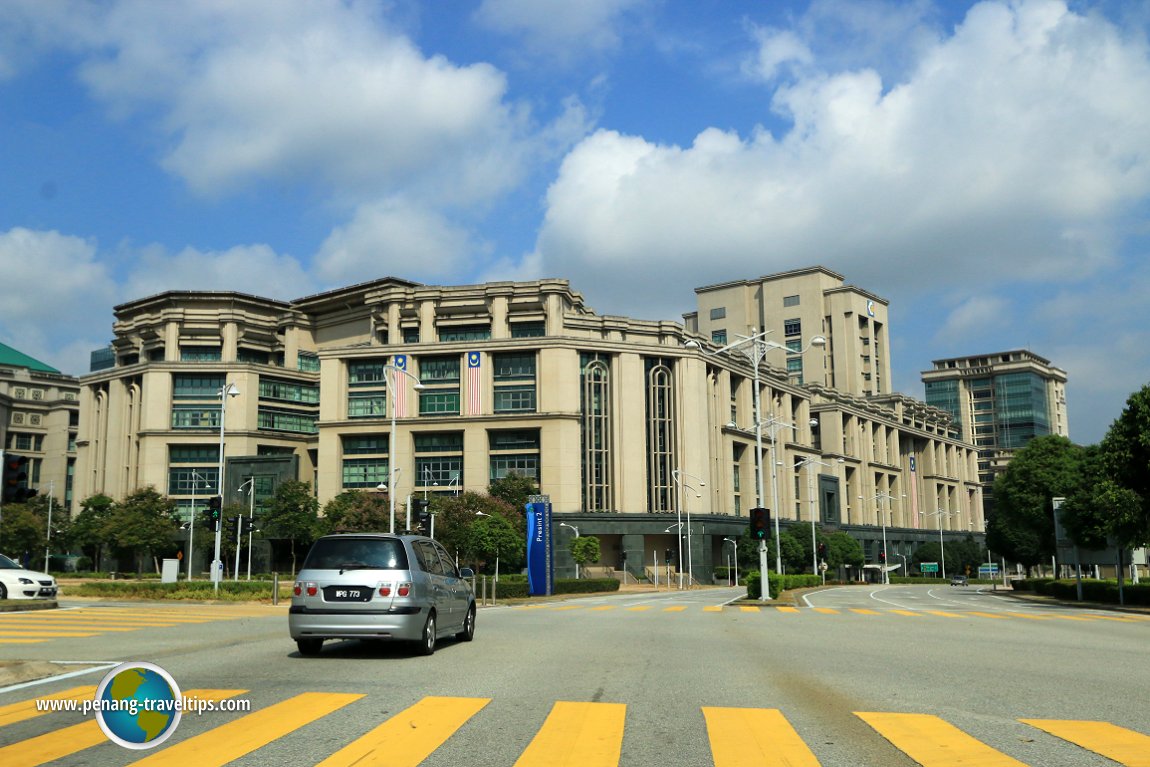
(380, 586)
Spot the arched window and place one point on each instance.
(595, 381)
(660, 437)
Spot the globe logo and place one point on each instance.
(138, 705)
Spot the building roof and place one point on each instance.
(12, 358)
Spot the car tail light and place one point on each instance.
(385, 589)
(404, 589)
(311, 588)
(297, 589)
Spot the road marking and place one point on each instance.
(570, 607)
(908, 613)
(713, 609)
(639, 609)
(1031, 616)
(934, 742)
(827, 610)
(240, 737)
(1113, 618)
(784, 609)
(864, 611)
(26, 709)
(675, 609)
(603, 607)
(755, 737)
(1126, 747)
(996, 616)
(46, 633)
(944, 614)
(1072, 618)
(578, 735)
(748, 609)
(70, 740)
(22, 641)
(410, 736)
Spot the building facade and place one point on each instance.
(39, 419)
(628, 427)
(999, 402)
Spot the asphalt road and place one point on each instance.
(672, 675)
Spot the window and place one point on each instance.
(515, 399)
(21, 441)
(465, 333)
(253, 356)
(195, 417)
(439, 402)
(191, 386)
(793, 327)
(595, 436)
(200, 354)
(528, 329)
(286, 420)
(514, 382)
(438, 458)
(193, 454)
(367, 373)
(364, 472)
(525, 465)
(719, 337)
(366, 404)
(439, 369)
(440, 377)
(660, 404)
(289, 391)
(411, 335)
(373, 443)
(719, 313)
(201, 482)
(307, 362)
(790, 301)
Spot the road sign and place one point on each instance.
(988, 570)
(928, 567)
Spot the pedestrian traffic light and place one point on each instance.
(215, 505)
(760, 523)
(666, 556)
(421, 513)
(16, 488)
(822, 551)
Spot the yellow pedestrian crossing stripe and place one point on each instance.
(574, 733)
(46, 625)
(791, 610)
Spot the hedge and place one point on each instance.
(516, 588)
(232, 591)
(1105, 592)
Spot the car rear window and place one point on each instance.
(367, 553)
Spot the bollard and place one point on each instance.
(275, 588)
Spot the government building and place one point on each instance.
(638, 431)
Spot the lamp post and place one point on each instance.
(940, 513)
(683, 486)
(389, 377)
(735, 543)
(808, 462)
(48, 539)
(196, 477)
(755, 347)
(251, 485)
(882, 518)
(230, 390)
(564, 524)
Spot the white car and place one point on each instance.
(18, 583)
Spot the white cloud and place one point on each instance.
(254, 269)
(975, 318)
(1013, 144)
(54, 287)
(395, 238)
(559, 30)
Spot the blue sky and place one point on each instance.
(983, 166)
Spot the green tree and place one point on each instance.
(90, 529)
(23, 534)
(795, 549)
(843, 550)
(514, 489)
(357, 511)
(144, 522)
(500, 529)
(585, 550)
(1022, 524)
(292, 514)
(1126, 458)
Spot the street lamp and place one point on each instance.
(809, 462)
(684, 505)
(48, 539)
(941, 545)
(231, 390)
(196, 477)
(882, 518)
(251, 485)
(564, 524)
(389, 377)
(755, 348)
(735, 543)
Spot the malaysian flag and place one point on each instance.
(399, 385)
(474, 393)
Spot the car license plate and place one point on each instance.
(347, 594)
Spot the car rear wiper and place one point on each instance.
(352, 566)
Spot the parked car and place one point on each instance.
(958, 580)
(18, 583)
(380, 586)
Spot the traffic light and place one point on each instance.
(422, 514)
(215, 505)
(666, 556)
(760, 523)
(231, 527)
(16, 488)
(822, 551)
(882, 557)
(247, 525)
(207, 519)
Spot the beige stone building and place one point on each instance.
(39, 419)
(605, 412)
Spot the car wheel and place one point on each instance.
(468, 632)
(3, 591)
(427, 643)
(309, 646)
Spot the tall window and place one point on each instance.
(793, 327)
(719, 337)
(288, 391)
(369, 466)
(514, 382)
(367, 389)
(513, 451)
(307, 362)
(191, 386)
(595, 399)
(438, 459)
(440, 378)
(660, 436)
